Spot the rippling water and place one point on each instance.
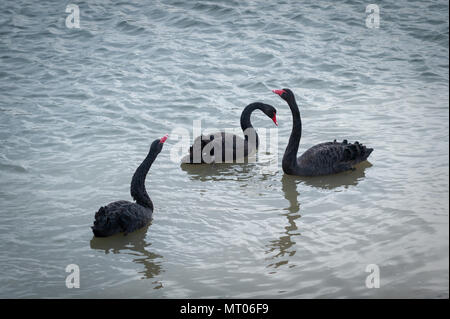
(80, 107)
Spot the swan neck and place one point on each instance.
(246, 124)
(137, 189)
(290, 155)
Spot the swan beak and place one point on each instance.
(279, 92)
(274, 119)
(164, 138)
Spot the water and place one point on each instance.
(80, 107)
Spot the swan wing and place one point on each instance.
(333, 157)
(218, 147)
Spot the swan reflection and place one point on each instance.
(133, 244)
(284, 244)
(261, 166)
(344, 179)
(219, 172)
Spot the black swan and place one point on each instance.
(124, 216)
(321, 159)
(231, 146)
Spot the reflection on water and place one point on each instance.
(345, 179)
(133, 244)
(284, 244)
(220, 172)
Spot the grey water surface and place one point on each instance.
(79, 109)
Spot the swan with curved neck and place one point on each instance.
(124, 216)
(222, 147)
(321, 159)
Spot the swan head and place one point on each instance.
(158, 144)
(285, 94)
(270, 111)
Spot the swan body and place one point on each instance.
(321, 159)
(224, 147)
(331, 158)
(230, 146)
(120, 216)
(124, 216)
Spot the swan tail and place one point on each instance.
(100, 214)
(100, 221)
(355, 152)
(195, 155)
(120, 216)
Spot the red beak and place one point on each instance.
(279, 92)
(164, 138)
(274, 119)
